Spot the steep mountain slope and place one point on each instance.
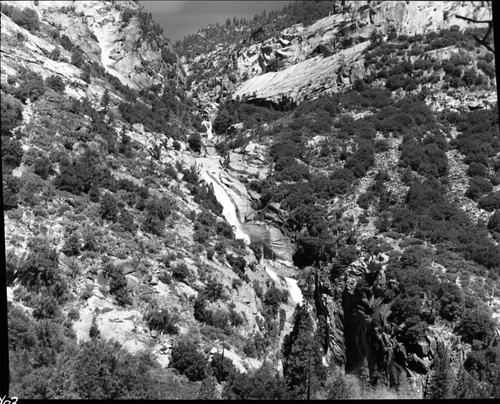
(349, 110)
(100, 181)
(300, 206)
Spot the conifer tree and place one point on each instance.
(208, 389)
(441, 384)
(302, 357)
(105, 100)
(94, 332)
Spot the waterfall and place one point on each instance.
(208, 126)
(228, 207)
(279, 271)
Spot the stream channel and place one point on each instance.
(235, 200)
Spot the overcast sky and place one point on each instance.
(181, 18)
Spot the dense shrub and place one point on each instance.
(11, 187)
(26, 17)
(39, 272)
(478, 186)
(77, 176)
(450, 300)
(12, 153)
(205, 196)
(72, 246)
(476, 324)
(156, 212)
(395, 81)
(490, 202)
(161, 320)
(117, 284)
(11, 115)
(261, 384)
(427, 159)
(55, 83)
(488, 69)
(494, 222)
(479, 138)
(213, 290)
(108, 207)
(476, 170)
(194, 142)
(188, 361)
(232, 112)
(181, 272)
(31, 86)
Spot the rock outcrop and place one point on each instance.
(315, 59)
(120, 47)
(303, 80)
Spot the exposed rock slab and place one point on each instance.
(303, 80)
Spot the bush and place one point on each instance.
(12, 153)
(188, 361)
(394, 82)
(31, 86)
(488, 69)
(72, 246)
(181, 272)
(127, 14)
(168, 56)
(213, 290)
(478, 186)
(43, 167)
(476, 170)
(256, 247)
(162, 320)
(26, 18)
(11, 115)
(365, 199)
(490, 202)
(55, 83)
(78, 57)
(45, 307)
(222, 367)
(108, 208)
(40, 270)
(195, 143)
(494, 222)
(118, 284)
(450, 300)
(11, 187)
(224, 229)
(476, 324)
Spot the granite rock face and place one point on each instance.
(120, 47)
(302, 80)
(314, 58)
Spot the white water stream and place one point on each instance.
(212, 172)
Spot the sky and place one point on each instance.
(181, 18)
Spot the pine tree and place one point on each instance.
(94, 332)
(302, 357)
(441, 384)
(72, 245)
(105, 100)
(208, 389)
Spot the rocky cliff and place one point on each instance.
(328, 193)
(318, 58)
(120, 45)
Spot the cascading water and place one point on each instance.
(208, 125)
(210, 172)
(276, 263)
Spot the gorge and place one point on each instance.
(303, 205)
